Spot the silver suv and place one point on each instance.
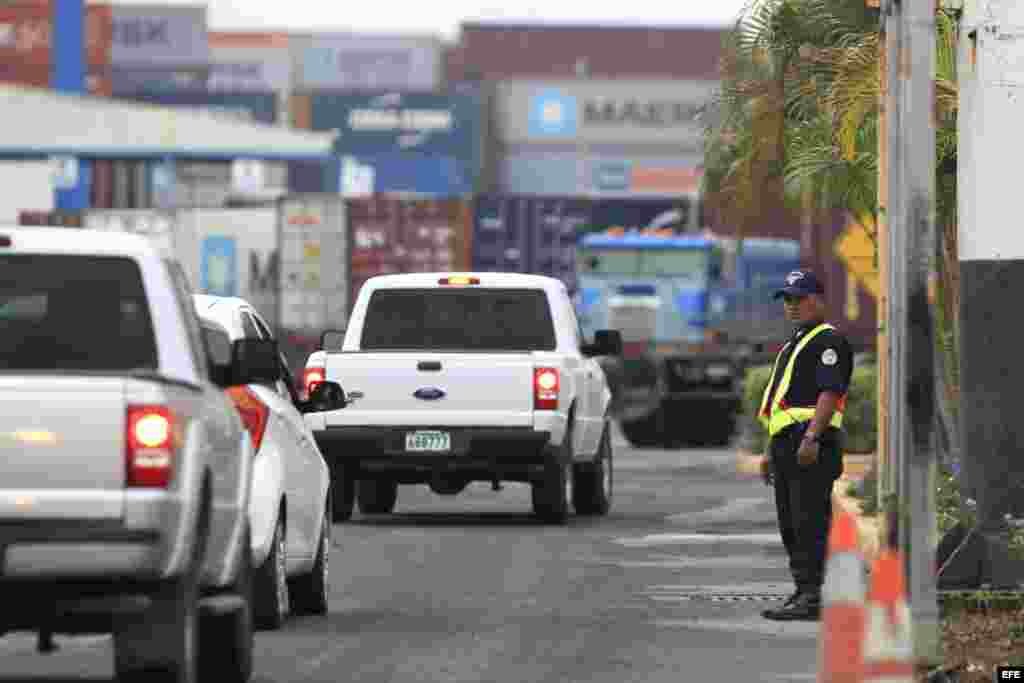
(125, 469)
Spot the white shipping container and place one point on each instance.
(163, 226)
(27, 186)
(238, 255)
(291, 261)
(315, 263)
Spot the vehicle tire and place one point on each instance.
(272, 597)
(592, 484)
(550, 496)
(226, 641)
(377, 496)
(162, 644)
(309, 592)
(343, 492)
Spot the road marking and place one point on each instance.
(739, 588)
(26, 642)
(684, 539)
(802, 630)
(729, 510)
(659, 560)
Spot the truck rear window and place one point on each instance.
(67, 312)
(458, 320)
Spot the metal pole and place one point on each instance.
(889, 475)
(917, 349)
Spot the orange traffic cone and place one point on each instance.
(888, 642)
(841, 654)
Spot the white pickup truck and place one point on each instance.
(450, 378)
(125, 468)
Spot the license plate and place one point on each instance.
(428, 441)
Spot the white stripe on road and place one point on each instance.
(738, 588)
(683, 539)
(727, 511)
(804, 630)
(26, 642)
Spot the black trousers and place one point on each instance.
(803, 501)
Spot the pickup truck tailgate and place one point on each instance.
(397, 388)
(62, 447)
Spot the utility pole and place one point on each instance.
(884, 462)
(910, 36)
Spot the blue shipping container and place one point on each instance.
(409, 125)
(500, 238)
(542, 232)
(636, 213)
(556, 223)
(404, 172)
(529, 235)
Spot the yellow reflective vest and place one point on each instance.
(775, 413)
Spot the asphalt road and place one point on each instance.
(667, 588)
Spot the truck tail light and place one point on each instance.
(311, 377)
(254, 412)
(459, 280)
(152, 441)
(545, 389)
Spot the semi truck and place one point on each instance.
(694, 310)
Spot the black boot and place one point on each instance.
(806, 607)
(767, 614)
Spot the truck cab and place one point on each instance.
(692, 311)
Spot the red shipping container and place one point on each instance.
(26, 30)
(102, 193)
(98, 82)
(429, 233)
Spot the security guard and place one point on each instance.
(802, 409)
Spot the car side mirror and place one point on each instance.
(332, 340)
(255, 361)
(606, 343)
(325, 396)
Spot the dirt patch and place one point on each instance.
(976, 641)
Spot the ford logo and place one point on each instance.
(428, 394)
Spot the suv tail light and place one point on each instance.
(545, 389)
(254, 412)
(152, 439)
(312, 377)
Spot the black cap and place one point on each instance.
(801, 283)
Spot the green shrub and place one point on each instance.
(860, 423)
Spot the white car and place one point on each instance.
(290, 509)
(449, 378)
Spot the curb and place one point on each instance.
(855, 467)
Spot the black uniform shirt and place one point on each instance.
(825, 364)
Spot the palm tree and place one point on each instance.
(779, 63)
(800, 88)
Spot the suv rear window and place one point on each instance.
(458, 320)
(65, 312)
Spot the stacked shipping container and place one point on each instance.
(26, 35)
(407, 236)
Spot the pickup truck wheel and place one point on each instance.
(592, 482)
(226, 640)
(309, 591)
(343, 491)
(272, 584)
(550, 496)
(162, 645)
(377, 496)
